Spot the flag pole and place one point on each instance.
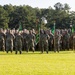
(38, 31)
(20, 26)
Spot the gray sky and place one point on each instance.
(39, 3)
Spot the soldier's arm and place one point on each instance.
(4, 35)
(13, 36)
(34, 37)
(22, 39)
(48, 37)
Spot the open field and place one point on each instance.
(62, 63)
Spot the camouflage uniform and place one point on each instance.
(2, 41)
(24, 35)
(56, 42)
(51, 41)
(44, 41)
(71, 42)
(30, 40)
(9, 41)
(66, 37)
(18, 43)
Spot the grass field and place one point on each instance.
(62, 63)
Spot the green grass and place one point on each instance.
(62, 63)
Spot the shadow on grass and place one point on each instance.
(23, 53)
(36, 53)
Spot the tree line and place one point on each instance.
(11, 16)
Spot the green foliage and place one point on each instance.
(10, 16)
(3, 18)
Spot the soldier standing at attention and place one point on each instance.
(44, 37)
(9, 41)
(56, 42)
(30, 41)
(24, 35)
(67, 36)
(50, 40)
(18, 43)
(2, 40)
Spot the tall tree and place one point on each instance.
(58, 6)
(3, 18)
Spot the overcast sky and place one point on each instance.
(39, 3)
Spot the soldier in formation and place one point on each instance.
(25, 40)
(30, 41)
(2, 40)
(44, 37)
(9, 41)
(18, 43)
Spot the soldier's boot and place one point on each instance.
(58, 51)
(20, 52)
(3, 50)
(47, 51)
(42, 51)
(7, 51)
(11, 51)
(16, 52)
(27, 50)
(54, 51)
(33, 50)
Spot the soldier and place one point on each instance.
(24, 35)
(71, 41)
(50, 40)
(66, 40)
(18, 43)
(30, 39)
(2, 40)
(56, 42)
(9, 41)
(59, 40)
(44, 37)
(35, 44)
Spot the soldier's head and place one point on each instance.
(30, 31)
(49, 31)
(56, 33)
(45, 32)
(1, 30)
(5, 31)
(24, 31)
(33, 31)
(42, 31)
(8, 30)
(27, 31)
(16, 31)
(13, 30)
(66, 31)
(69, 30)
